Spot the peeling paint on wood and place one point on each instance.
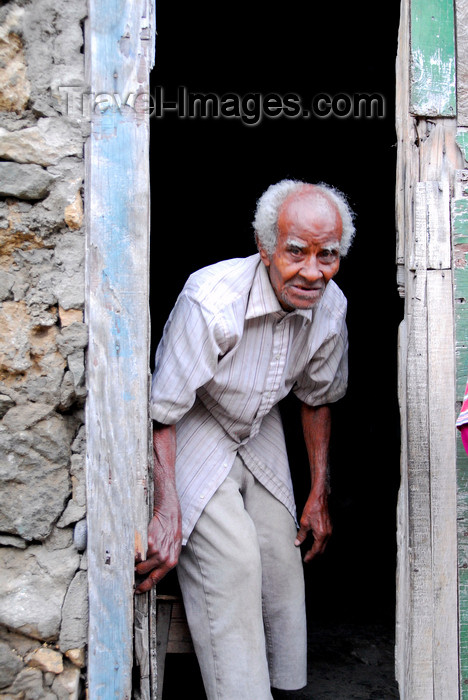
(427, 631)
(462, 141)
(419, 682)
(461, 23)
(441, 399)
(460, 255)
(432, 63)
(431, 245)
(119, 58)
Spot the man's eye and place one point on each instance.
(329, 255)
(294, 250)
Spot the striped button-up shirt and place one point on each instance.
(229, 353)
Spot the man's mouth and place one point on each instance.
(303, 289)
(303, 294)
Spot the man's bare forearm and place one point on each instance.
(165, 528)
(316, 423)
(164, 456)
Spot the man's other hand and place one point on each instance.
(315, 519)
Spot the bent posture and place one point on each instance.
(242, 335)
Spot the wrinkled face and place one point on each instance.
(307, 250)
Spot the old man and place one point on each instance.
(242, 335)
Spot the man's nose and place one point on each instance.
(311, 270)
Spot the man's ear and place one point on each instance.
(263, 254)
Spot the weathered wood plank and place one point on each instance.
(117, 197)
(155, 681)
(441, 395)
(462, 487)
(405, 141)
(141, 640)
(417, 253)
(460, 250)
(439, 249)
(419, 681)
(432, 66)
(431, 245)
(460, 258)
(461, 23)
(428, 155)
(462, 142)
(163, 622)
(402, 617)
(438, 152)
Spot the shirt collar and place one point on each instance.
(263, 300)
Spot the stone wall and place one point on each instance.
(43, 589)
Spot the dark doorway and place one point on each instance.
(206, 175)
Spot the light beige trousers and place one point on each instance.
(243, 588)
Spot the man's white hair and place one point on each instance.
(265, 222)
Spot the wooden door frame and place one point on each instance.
(432, 218)
(432, 224)
(119, 45)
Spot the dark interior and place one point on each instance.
(206, 175)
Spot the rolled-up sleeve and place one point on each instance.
(186, 359)
(325, 378)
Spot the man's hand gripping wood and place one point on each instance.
(165, 528)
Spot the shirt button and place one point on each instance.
(202, 496)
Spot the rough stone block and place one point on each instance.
(34, 478)
(77, 657)
(21, 417)
(14, 84)
(33, 586)
(76, 365)
(14, 337)
(10, 664)
(73, 512)
(24, 181)
(67, 317)
(64, 200)
(68, 280)
(79, 443)
(72, 338)
(66, 686)
(67, 392)
(12, 541)
(21, 644)
(74, 629)
(74, 213)
(6, 285)
(28, 352)
(80, 537)
(5, 404)
(28, 684)
(45, 144)
(45, 659)
(57, 62)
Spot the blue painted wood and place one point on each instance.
(119, 56)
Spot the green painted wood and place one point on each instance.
(432, 59)
(462, 479)
(462, 140)
(460, 248)
(460, 221)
